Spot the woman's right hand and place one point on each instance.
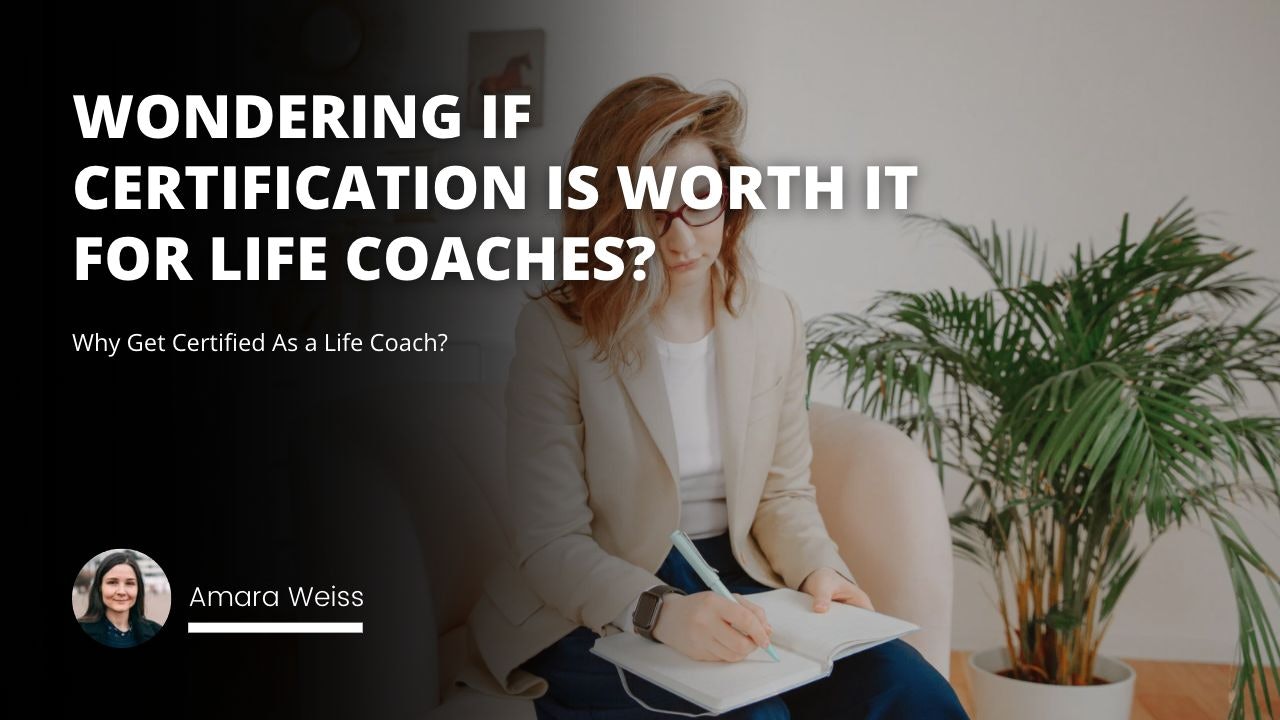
(705, 626)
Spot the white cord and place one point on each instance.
(627, 689)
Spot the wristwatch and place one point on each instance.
(645, 617)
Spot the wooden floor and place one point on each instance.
(1164, 691)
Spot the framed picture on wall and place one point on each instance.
(507, 62)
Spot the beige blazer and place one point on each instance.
(593, 478)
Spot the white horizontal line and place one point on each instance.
(294, 628)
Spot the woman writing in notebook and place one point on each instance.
(636, 408)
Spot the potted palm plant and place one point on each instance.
(1075, 405)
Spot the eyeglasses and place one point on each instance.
(662, 219)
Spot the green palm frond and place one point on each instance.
(1076, 404)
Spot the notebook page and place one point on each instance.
(716, 686)
(840, 631)
(857, 648)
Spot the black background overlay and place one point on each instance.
(222, 467)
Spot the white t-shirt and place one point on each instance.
(689, 371)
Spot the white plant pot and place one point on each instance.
(996, 697)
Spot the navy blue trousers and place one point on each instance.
(888, 682)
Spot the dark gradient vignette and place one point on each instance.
(232, 470)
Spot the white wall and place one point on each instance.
(1053, 116)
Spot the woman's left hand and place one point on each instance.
(825, 585)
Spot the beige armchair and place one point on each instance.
(432, 503)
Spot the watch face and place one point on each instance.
(645, 608)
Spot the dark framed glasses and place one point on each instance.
(662, 219)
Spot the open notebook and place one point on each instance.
(807, 643)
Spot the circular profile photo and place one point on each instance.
(121, 598)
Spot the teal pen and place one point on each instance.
(707, 573)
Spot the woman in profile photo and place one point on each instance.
(638, 407)
(116, 616)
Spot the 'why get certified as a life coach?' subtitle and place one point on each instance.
(230, 342)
